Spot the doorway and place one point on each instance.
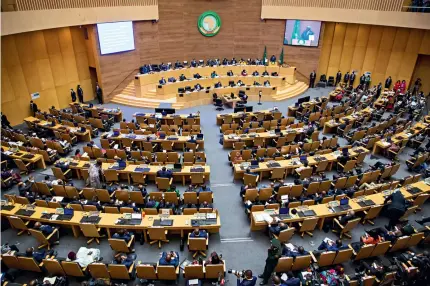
(422, 71)
(93, 75)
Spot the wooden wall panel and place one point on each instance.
(422, 70)
(383, 51)
(348, 47)
(176, 37)
(360, 48)
(49, 62)
(336, 48)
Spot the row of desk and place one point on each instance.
(36, 159)
(181, 223)
(82, 136)
(168, 119)
(149, 170)
(323, 211)
(231, 117)
(229, 139)
(295, 163)
(330, 127)
(116, 113)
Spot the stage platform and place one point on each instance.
(144, 90)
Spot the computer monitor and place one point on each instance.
(304, 99)
(188, 88)
(199, 136)
(284, 211)
(249, 108)
(296, 104)
(277, 130)
(344, 150)
(344, 201)
(167, 110)
(68, 211)
(122, 164)
(115, 133)
(303, 158)
(162, 135)
(239, 109)
(177, 166)
(254, 163)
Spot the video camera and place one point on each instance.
(240, 273)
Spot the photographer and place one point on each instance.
(247, 280)
(273, 254)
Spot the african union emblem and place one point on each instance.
(209, 23)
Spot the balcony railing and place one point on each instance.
(378, 5)
(28, 5)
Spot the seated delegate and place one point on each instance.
(164, 173)
(170, 258)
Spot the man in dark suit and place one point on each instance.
(162, 81)
(388, 82)
(338, 78)
(73, 95)
(396, 209)
(351, 79)
(99, 93)
(312, 77)
(164, 173)
(378, 90)
(362, 80)
(346, 78)
(5, 122)
(33, 107)
(193, 63)
(80, 94)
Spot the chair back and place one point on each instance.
(301, 262)
(364, 251)
(111, 210)
(249, 179)
(205, 197)
(278, 173)
(103, 195)
(213, 270)
(118, 245)
(37, 234)
(150, 211)
(197, 243)
(420, 199)
(284, 264)
(28, 264)
(157, 233)
(326, 258)
(89, 230)
(21, 165)
(138, 178)
(43, 189)
(146, 272)
(286, 234)
(190, 211)
(415, 239)
(194, 272)
(309, 224)
(343, 255)
(10, 260)
(162, 183)
(17, 223)
(166, 272)
(191, 198)
(53, 267)
(98, 270)
(111, 175)
(381, 248)
(251, 195)
(197, 178)
(118, 271)
(373, 212)
(306, 173)
(351, 224)
(137, 197)
(122, 195)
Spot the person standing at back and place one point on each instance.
(80, 93)
(33, 107)
(99, 93)
(312, 77)
(396, 209)
(73, 95)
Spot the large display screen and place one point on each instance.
(302, 33)
(115, 37)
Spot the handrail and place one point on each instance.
(133, 71)
(378, 5)
(28, 5)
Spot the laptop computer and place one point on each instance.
(344, 204)
(177, 167)
(414, 191)
(344, 150)
(284, 213)
(122, 164)
(162, 135)
(303, 158)
(254, 164)
(199, 136)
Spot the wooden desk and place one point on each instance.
(82, 136)
(235, 116)
(382, 145)
(179, 142)
(181, 223)
(117, 113)
(228, 140)
(323, 211)
(290, 166)
(37, 159)
(231, 102)
(166, 119)
(330, 127)
(309, 104)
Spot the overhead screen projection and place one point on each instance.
(115, 37)
(302, 33)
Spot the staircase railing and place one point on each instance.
(125, 78)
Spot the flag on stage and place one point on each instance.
(281, 57)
